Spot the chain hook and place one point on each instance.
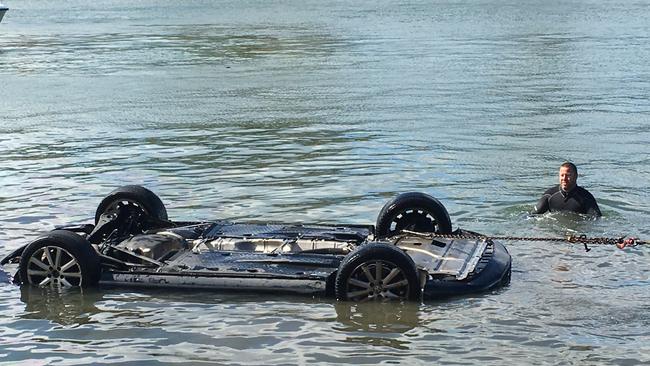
(584, 240)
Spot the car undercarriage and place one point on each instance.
(411, 253)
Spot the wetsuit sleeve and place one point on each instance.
(542, 205)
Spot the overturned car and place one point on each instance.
(411, 253)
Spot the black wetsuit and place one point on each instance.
(576, 200)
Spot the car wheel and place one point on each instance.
(377, 271)
(133, 196)
(413, 211)
(59, 259)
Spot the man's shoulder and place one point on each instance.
(551, 191)
(588, 201)
(583, 192)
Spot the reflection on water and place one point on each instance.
(377, 317)
(377, 324)
(66, 307)
(167, 46)
(62, 305)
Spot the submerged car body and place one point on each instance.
(3, 10)
(409, 254)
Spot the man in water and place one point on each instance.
(568, 196)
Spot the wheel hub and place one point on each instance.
(53, 266)
(377, 280)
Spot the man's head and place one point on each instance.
(568, 176)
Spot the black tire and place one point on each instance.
(135, 196)
(60, 258)
(377, 271)
(413, 211)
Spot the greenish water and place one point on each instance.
(320, 111)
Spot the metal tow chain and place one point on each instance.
(621, 242)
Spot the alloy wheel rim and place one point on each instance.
(115, 206)
(55, 267)
(416, 220)
(377, 280)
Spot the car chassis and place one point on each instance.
(411, 253)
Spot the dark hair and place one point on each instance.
(571, 166)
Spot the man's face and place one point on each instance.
(567, 178)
